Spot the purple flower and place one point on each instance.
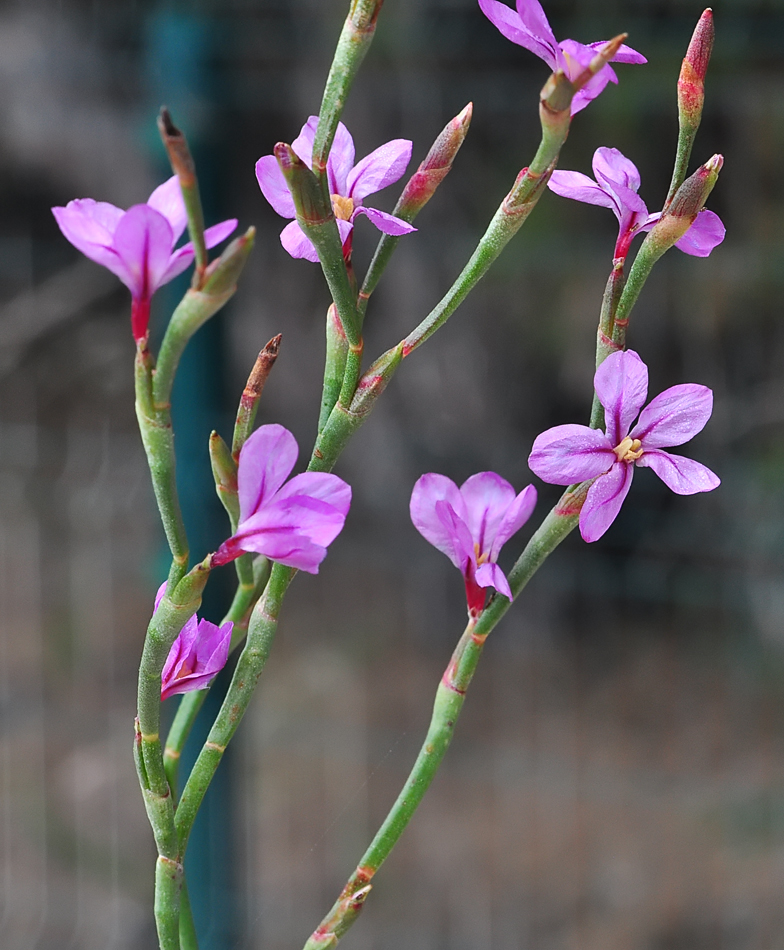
(470, 525)
(616, 185)
(528, 27)
(137, 245)
(573, 453)
(292, 523)
(349, 184)
(199, 652)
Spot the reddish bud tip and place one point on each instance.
(699, 52)
(691, 82)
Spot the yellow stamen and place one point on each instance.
(185, 670)
(629, 450)
(480, 558)
(343, 207)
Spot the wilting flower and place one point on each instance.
(349, 184)
(528, 27)
(199, 652)
(574, 453)
(292, 523)
(616, 186)
(470, 525)
(137, 245)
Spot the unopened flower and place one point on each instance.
(137, 245)
(574, 453)
(197, 655)
(349, 185)
(292, 523)
(616, 186)
(470, 525)
(528, 27)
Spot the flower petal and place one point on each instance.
(516, 516)
(144, 241)
(380, 168)
(684, 476)
(463, 553)
(385, 222)
(580, 187)
(534, 20)
(219, 232)
(293, 239)
(321, 485)
(179, 261)
(167, 200)
(429, 490)
(487, 497)
(613, 166)
(301, 519)
(491, 575)
(571, 453)
(86, 224)
(604, 500)
(273, 186)
(621, 383)
(207, 656)
(674, 416)
(625, 54)
(511, 25)
(706, 232)
(264, 465)
(303, 143)
(283, 542)
(340, 161)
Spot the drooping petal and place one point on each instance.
(321, 485)
(282, 540)
(463, 553)
(273, 186)
(580, 187)
(89, 235)
(429, 490)
(179, 261)
(219, 232)
(706, 232)
(487, 497)
(510, 24)
(167, 200)
(309, 519)
(593, 88)
(612, 165)
(382, 167)
(144, 241)
(516, 516)
(570, 453)
(491, 575)
(340, 161)
(294, 240)
(674, 416)
(604, 500)
(264, 465)
(621, 383)
(683, 476)
(385, 222)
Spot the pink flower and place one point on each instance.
(528, 27)
(349, 184)
(470, 525)
(292, 523)
(616, 186)
(199, 652)
(574, 453)
(137, 245)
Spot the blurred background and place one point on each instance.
(617, 779)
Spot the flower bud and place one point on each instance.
(691, 82)
(221, 275)
(364, 13)
(224, 471)
(687, 203)
(375, 380)
(436, 166)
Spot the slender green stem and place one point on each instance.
(334, 365)
(188, 937)
(168, 885)
(687, 133)
(604, 341)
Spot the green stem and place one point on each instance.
(334, 365)
(687, 133)
(604, 341)
(649, 253)
(188, 938)
(168, 885)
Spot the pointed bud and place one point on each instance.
(602, 58)
(364, 13)
(691, 82)
(557, 94)
(375, 381)
(224, 471)
(176, 146)
(221, 275)
(303, 185)
(436, 166)
(687, 203)
(249, 401)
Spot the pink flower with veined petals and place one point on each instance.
(349, 184)
(616, 186)
(528, 27)
(137, 245)
(292, 523)
(574, 453)
(197, 655)
(470, 525)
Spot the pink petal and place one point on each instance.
(706, 232)
(463, 551)
(385, 222)
(159, 596)
(380, 168)
(534, 20)
(301, 517)
(621, 383)
(429, 490)
(283, 542)
(513, 28)
(516, 516)
(219, 232)
(340, 161)
(293, 239)
(265, 462)
(84, 223)
(303, 143)
(571, 453)
(580, 187)
(180, 260)
(167, 200)
(320, 485)
(487, 497)
(491, 575)
(684, 476)
(207, 656)
(612, 165)
(144, 240)
(604, 501)
(345, 228)
(674, 416)
(576, 57)
(625, 54)
(273, 186)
